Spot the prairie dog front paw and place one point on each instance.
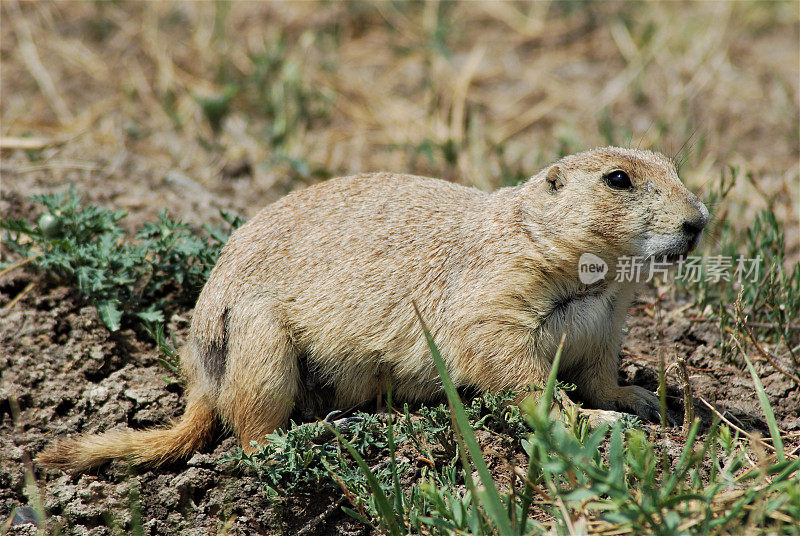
(639, 401)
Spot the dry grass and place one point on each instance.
(481, 93)
(121, 99)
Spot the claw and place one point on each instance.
(329, 417)
(641, 402)
(672, 419)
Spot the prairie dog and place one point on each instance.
(327, 275)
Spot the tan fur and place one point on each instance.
(328, 275)
(149, 447)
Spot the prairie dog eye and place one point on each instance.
(618, 180)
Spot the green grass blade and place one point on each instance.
(355, 515)
(546, 402)
(491, 497)
(398, 490)
(544, 408)
(388, 516)
(683, 462)
(777, 442)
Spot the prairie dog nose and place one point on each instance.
(700, 218)
(694, 227)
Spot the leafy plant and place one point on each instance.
(279, 90)
(303, 456)
(216, 106)
(614, 480)
(755, 294)
(141, 279)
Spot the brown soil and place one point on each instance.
(64, 373)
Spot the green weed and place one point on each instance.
(279, 91)
(215, 107)
(137, 280)
(747, 286)
(414, 471)
(771, 291)
(629, 488)
(615, 480)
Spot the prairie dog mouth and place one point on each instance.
(669, 247)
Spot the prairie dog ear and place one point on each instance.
(555, 178)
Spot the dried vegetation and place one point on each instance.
(200, 107)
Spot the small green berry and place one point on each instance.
(50, 225)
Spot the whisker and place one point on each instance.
(680, 155)
(642, 137)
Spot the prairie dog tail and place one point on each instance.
(147, 447)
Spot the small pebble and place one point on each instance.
(25, 515)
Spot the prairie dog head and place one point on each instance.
(616, 202)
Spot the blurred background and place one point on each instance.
(197, 106)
